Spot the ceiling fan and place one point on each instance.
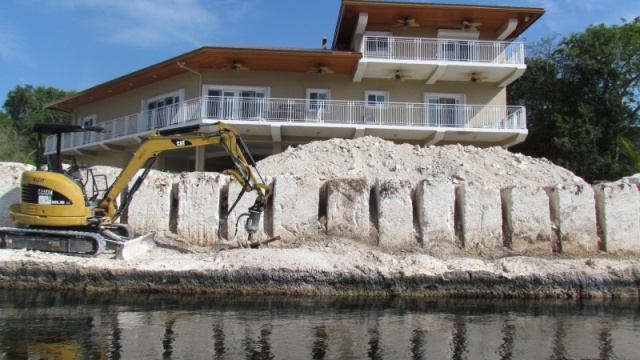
(407, 23)
(470, 26)
(476, 79)
(236, 66)
(398, 76)
(320, 70)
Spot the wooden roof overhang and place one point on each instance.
(254, 59)
(383, 15)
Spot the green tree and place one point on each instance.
(13, 148)
(24, 107)
(582, 98)
(537, 90)
(4, 119)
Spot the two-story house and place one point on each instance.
(418, 73)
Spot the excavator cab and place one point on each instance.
(53, 162)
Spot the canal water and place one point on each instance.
(50, 325)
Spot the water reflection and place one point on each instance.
(77, 326)
(508, 332)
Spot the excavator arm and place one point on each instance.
(143, 158)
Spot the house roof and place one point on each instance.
(384, 14)
(341, 60)
(253, 59)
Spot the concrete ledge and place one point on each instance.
(324, 272)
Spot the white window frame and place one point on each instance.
(231, 106)
(315, 104)
(265, 89)
(377, 93)
(457, 43)
(178, 93)
(87, 120)
(383, 43)
(156, 120)
(461, 97)
(461, 100)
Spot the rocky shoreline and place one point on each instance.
(336, 267)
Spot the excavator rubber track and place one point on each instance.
(68, 242)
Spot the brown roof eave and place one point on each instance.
(199, 58)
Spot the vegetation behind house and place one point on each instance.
(582, 95)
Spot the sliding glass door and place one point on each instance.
(234, 104)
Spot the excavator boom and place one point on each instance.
(143, 158)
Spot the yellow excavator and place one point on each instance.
(57, 214)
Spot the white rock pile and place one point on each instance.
(371, 157)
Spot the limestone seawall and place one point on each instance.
(575, 219)
(361, 237)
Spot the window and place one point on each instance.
(162, 110)
(457, 45)
(376, 98)
(316, 99)
(377, 43)
(445, 109)
(376, 106)
(87, 121)
(235, 103)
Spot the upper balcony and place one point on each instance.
(434, 60)
(300, 120)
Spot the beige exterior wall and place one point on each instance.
(293, 86)
(130, 102)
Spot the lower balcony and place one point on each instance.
(296, 121)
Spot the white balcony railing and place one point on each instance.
(300, 111)
(423, 49)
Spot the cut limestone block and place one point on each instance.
(10, 188)
(197, 197)
(527, 220)
(618, 211)
(150, 208)
(236, 220)
(295, 207)
(480, 218)
(348, 208)
(395, 214)
(573, 212)
(435, 201)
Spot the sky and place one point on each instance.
(78, 44)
